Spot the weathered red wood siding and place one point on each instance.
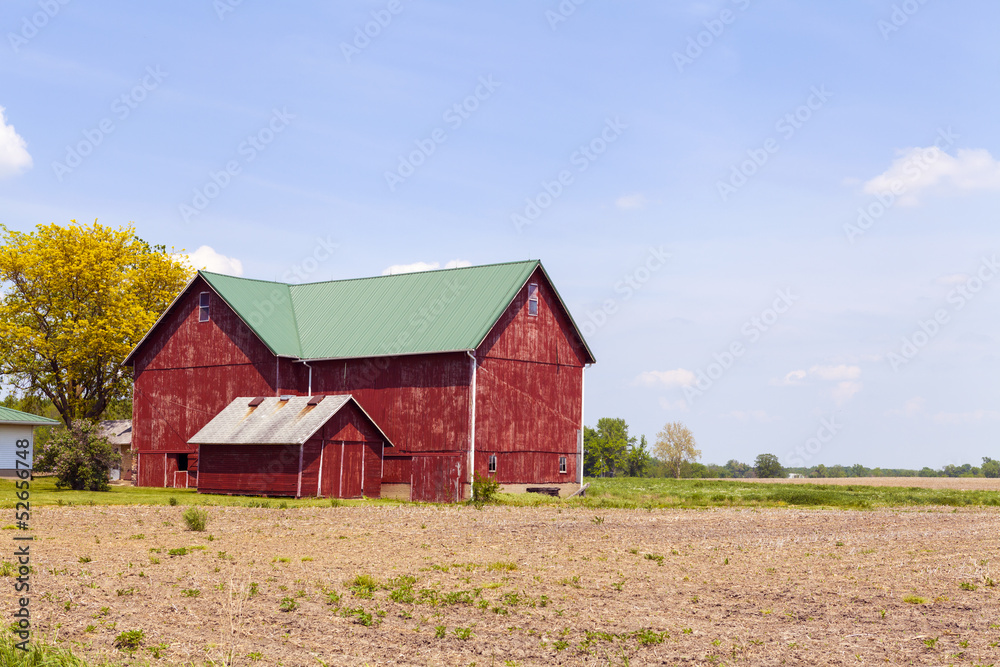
(373, 469)
(151, 468)
(310, 467)
(187, 371)
(529, 399)
(266, 470)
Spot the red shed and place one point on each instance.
(292, 446)
(470, 369)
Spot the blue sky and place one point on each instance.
(741, 137)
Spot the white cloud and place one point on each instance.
(834, 373)
(911, 408)
(206, 258)
(919, 170)
(794, 378)
(844, 391)
(678, 405)
(629, 202)
(676, 378)
(953, 279)
(14, 157)
(424, 266)
(965, 417)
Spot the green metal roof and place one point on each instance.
(411, 313)
(12, 416)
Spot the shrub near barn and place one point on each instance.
(81, 459)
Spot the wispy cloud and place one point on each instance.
(846, 377)
(921, 170)
(759, 416)
(679, 377)
(424, 266)
(208, 259)
(631, 202)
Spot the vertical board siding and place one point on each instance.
(397, 469)
(436, 479)
(331, 469)
(151, 468)
(351, 481)
(271, 470)
(310, 467)
(529, 385)
(373, 469)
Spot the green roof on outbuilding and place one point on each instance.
(12, 416)
(412, 313)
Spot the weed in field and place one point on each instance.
(838, 543)
(931, 642)
(657, 557)
(573, 581)
(914, 599)
(288, 604)
(967, 586)
(281, 559)
(560, 644)
(363, 586)
(196, 519)
(439, 631)
(463, 633)
(179, 551)
(633, 551)
(647, 637)
(306, 559)
(333, 598)
(253, 589)
(283, 505)
(137, 536)
(129, 640)
(125, 591)
(502, 566)
(172, 501)
(360, 616)
(190, 592)
(597, 520)
(90, 628)
(85, 559)
(157, 650)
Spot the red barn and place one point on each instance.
(471, 369)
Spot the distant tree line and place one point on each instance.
(609, 451)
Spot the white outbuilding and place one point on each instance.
(17, 439)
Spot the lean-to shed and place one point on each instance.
(319, 446)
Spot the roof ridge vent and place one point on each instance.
(254, 402)
(285, 397)
(315, 400)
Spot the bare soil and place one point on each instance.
(954, 483)
(542, 586)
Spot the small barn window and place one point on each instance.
(533, 300)
(562, 465)
(203, 307)
(493, 463)
(182, 461)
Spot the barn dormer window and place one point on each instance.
(493, 463)
(203, 307)
(533, 300)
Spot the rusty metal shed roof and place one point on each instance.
(273, 421)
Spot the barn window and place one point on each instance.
(562, 464)
(493, 463)
(532, 299)
(182, 461)
(203, 307)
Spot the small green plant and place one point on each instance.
(255, 656)
(333, 597)
(288, 604)
(190, 592)
(253, 589)
(573, 581)
(196, 519)
(597, 520)
(157, 651)
(839, 543)
(657, 557)
(931, 642)
(125, 591)
(363, 586)
(439, 631)
(90, 628)
(85, 559)
(502, 566)
(172, 501)
(463, 633)
(914, 599)
(484, 489)
(967, 586)
(130, 640)
(647, 637)
(335, 502)
(179, 551)
(283, 505)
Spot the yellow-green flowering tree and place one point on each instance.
(74, 301)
